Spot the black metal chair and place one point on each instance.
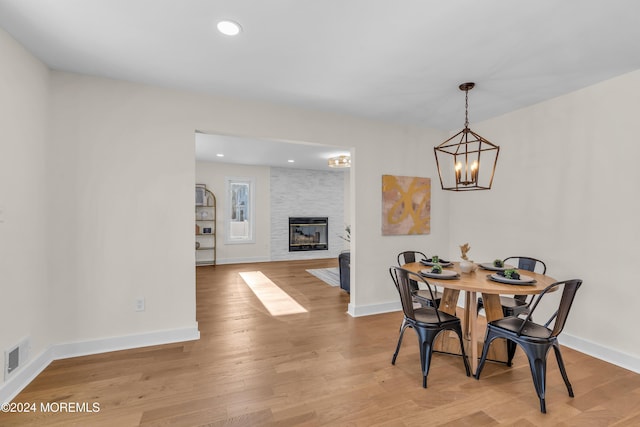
(421, 296)
(536, 340)
(428, 322)
(518, 304)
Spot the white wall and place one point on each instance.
(24, 290)
(213, 174)
(121, 160)
(565, 191)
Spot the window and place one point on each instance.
(240, 215)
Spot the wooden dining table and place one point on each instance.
(472, 284)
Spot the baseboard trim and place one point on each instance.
(25, 375)
(371, 309)
(242, 260)
(85, 348)
(618, 358)
(10, 389)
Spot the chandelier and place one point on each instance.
(458, 159)
(340, 162)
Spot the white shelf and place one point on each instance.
(206, 253)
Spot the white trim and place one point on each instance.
(10, 389)
(368, 310)
(126, 342)
(618, 358)
(18, 381)
(242, 260)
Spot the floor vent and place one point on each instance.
(15, 357)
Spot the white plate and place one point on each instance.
(442, 263)
(446, 274)
(490, 266)
(524, 280)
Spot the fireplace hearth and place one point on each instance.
(308, 233)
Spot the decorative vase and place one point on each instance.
(466, 266)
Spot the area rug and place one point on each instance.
(331, 276)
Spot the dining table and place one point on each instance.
(478, 281)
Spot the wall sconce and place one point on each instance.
(458, 159)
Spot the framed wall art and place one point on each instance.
(406, 205)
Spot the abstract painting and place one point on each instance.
(406, 205)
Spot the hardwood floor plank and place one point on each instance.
(319, 368)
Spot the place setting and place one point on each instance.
(437, 272)
(496, 265)
(511, 276)
(436, 260)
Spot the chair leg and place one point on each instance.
(537, 355)
(458, 331)
(556, 349)
(425, 359)
(426, 337)
(485, 351)
(404, 326)
(511, 351)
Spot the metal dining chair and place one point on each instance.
(421, 296)
(517, 305)
(428, 322)
(536, 339)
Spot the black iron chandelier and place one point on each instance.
(466, 161)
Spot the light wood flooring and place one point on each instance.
(319, 368)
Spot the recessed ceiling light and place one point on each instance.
(229, 28)
(291, 161)
(219, 155)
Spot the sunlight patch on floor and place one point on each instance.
(274, 299)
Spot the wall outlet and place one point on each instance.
(140, 304)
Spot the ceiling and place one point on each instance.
(388, 60)
(249, 151)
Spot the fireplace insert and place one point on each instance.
(308, 233)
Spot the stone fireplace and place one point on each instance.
(308, 234)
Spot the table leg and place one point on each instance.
(471, 311)
(493, 311)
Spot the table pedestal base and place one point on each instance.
(448, 341)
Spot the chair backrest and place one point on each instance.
(528, 263)
(402, 278)
(569, 289)
(409, 256)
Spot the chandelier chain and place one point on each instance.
(466, 108)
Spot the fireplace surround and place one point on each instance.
(308, 233)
